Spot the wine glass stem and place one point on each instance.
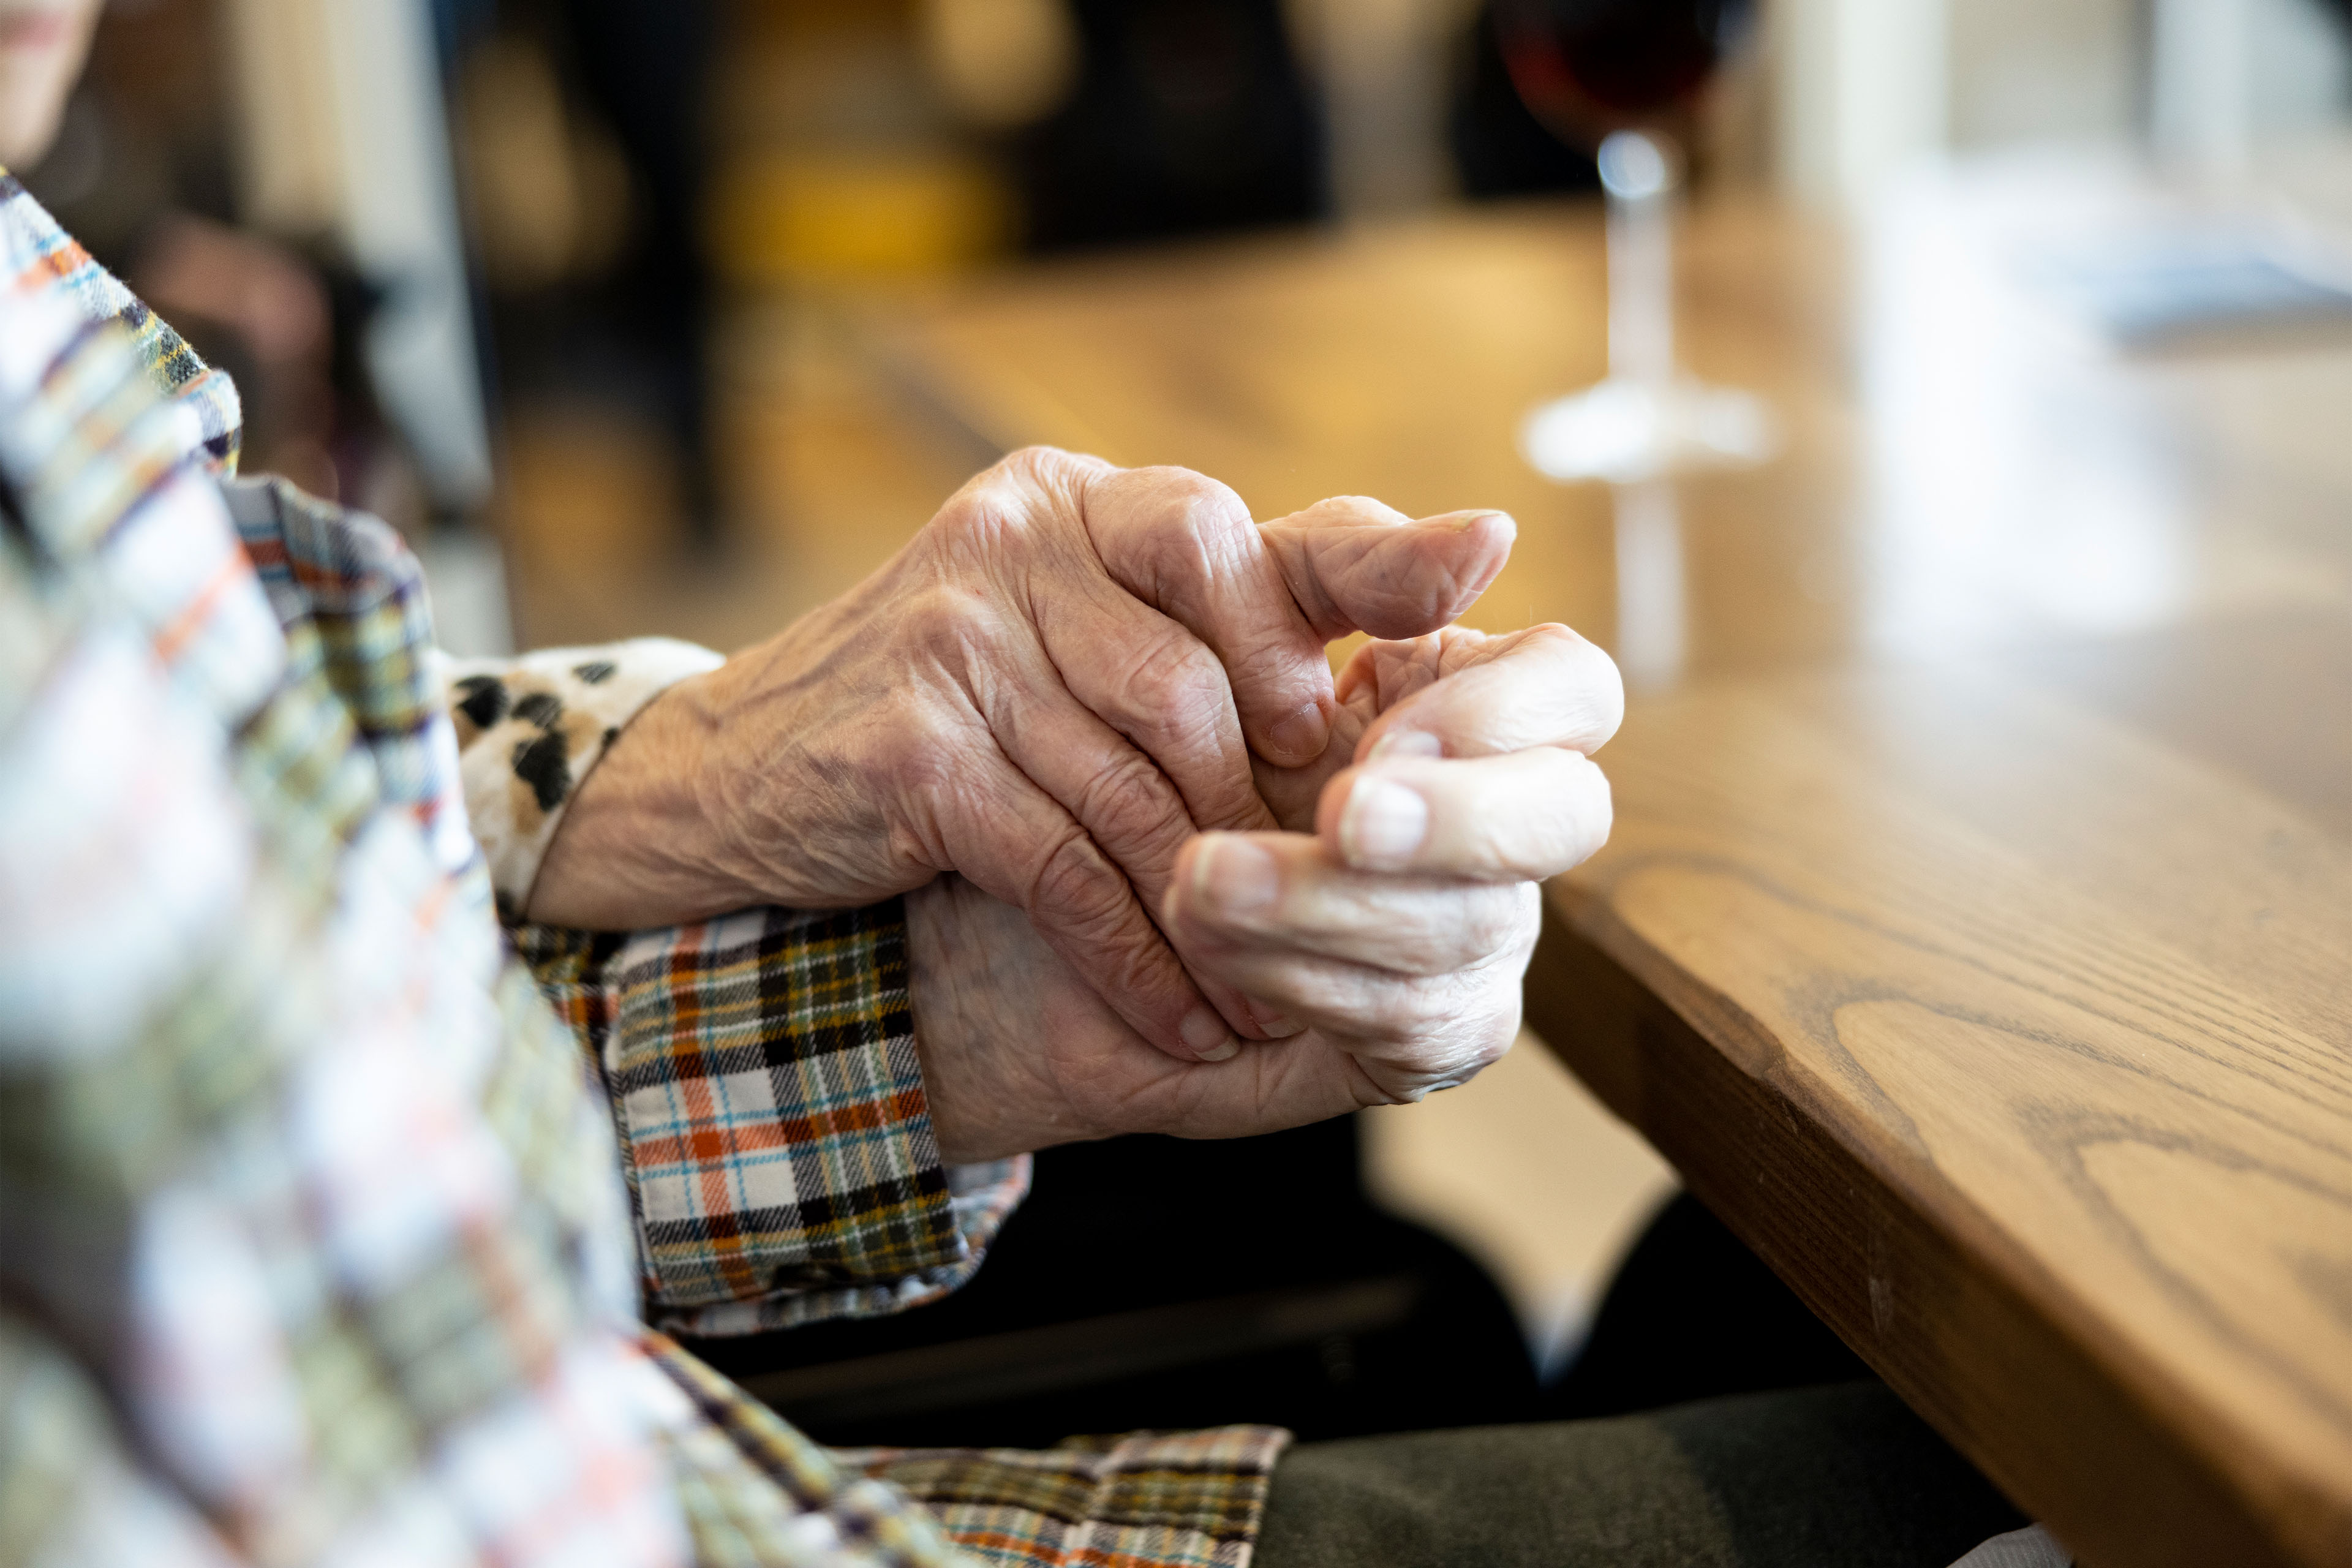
(1641, 285)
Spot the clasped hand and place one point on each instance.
(1165, 874)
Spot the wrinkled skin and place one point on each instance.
(1033, 696)
(1027, 719)
(1393, 971)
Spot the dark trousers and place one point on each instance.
(1711, 1421)
(1818, 1478)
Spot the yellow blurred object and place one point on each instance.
(802, 215)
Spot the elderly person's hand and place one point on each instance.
(1048, 692)
(1393, 938)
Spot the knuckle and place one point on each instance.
(1472, 1040)
(1494, 1043)
(919, 758)
(1193, 501)
(1414, 1014)
(916, 750)
(1499, 918)
(1080, 890)
(1129, 801)
(950, 625)
(1037, 462)
(981, 518)
(1502, 1021)
(1177, 680)
(1593, 812)
(1053, 476)
(1595, 685)
(1170, 692)
(1490, 1045)
(1198, 528)
(1047, 465)
(1510, 844)
(1479, 1031)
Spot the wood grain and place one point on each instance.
(2143, 1161)
(1977, 934)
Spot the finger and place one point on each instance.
(1284, 892)
(1409, 1035)
(1155, 683)
(1465, 694)
(1353, 564)
(1185, 544)
(1518, 817)
(1127, 805)
(1014, 842)
(1077, 630)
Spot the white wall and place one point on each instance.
(2032, 69)
(2227, 73)
(1862, 87)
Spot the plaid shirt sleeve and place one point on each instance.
(774, 1134)
(312, 1244)
(761, 1067)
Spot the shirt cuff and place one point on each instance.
(530, 729)
(773, 1129)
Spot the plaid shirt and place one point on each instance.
(320, 1240)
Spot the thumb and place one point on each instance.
(1355, 566)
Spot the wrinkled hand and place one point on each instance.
(1034, 695)
(1389, 943)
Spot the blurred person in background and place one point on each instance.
(590, 214)
(140, 171)
(1186, 117)
(317, 1243)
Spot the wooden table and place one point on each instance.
(1977, 932)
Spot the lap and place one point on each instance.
(1821, 1478)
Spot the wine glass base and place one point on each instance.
(1626, 431)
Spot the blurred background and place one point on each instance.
(600, 303)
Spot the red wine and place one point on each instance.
(1585, 67)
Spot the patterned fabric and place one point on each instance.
(313, 1227)
(293, 1159)
(530, 729)
(351, 600)
(38, 257)
(829, 1510)
(773, 1129)
(1192, 1499)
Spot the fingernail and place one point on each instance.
(1207, 1038)
(1402, 743)
(1475, 518)
(1300, 738)
(1276, 1025)
(1242, 878)
(1382, 824)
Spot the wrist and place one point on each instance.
(643, 842)
(983, 1068)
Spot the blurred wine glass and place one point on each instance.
(1622, 79)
